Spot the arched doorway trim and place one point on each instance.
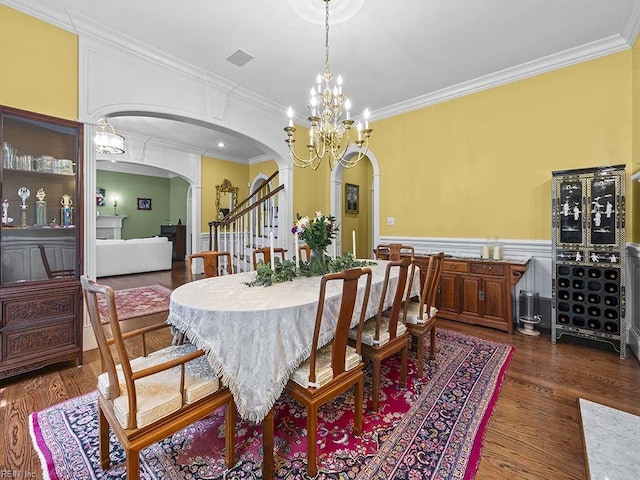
(336, 197)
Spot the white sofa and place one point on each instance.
(136, 255)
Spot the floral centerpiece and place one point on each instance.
(317, 233)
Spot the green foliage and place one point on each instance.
(346, 261)
(284, 272)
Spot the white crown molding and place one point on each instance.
(572, 56)
(88, 28)
(632, 27)
(226, 158)
(74, 22)
(260, 159)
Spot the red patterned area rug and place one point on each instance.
(138, 302)
(433, 429)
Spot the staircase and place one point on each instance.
(248, 226)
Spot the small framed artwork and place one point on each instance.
(144, 203)
(352, 198)
(100, 196)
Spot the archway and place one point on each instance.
(372, 192)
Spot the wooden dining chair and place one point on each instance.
(150, 397)
(47, 267)
(393, 251)
(421, 316)
(307, 253)
(265, 253)
(211, 261)
(336, 367)
(384, 336)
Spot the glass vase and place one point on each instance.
(318, 262)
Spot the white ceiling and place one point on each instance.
(393, 55)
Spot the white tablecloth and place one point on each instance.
(256, 336)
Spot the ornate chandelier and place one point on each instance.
(329, 133)
(107, 140)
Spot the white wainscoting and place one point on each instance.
(537, 278)
(633, 301)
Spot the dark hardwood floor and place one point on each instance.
(534, 432)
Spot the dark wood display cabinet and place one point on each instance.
(41, 241)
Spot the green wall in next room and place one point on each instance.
(168, 201)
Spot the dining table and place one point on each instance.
(256, 336)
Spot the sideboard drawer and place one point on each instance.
(488, 269)
(450, 266)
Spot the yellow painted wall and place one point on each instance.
(40, 65)
(634, 201)
(361, 175)
(481, 165)
(311, 187)
(214, 171)
(266, 168)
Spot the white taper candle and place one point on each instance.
(273, 258)
(354, 243)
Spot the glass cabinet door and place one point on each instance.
(40, 197)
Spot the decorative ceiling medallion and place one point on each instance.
(312, 11)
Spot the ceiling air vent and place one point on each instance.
(240, 57)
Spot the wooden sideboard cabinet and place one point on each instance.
(478, 291)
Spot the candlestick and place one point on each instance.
(273, 259)
(334, 249)
(297, 252)
(354, 243)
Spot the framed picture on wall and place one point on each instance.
(100, 196)
(352, 198)
(144, 203)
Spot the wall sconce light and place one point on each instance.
(115, 205)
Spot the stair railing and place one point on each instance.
(248, 225)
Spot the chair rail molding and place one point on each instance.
(633, 301)
(538, 275)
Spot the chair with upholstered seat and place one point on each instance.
(394, 251)
(385, 336)
(62, 273)
(211, 262)
(421, 317)
(150, 397)
(336, 367)
(265, 253)
(307, 253)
